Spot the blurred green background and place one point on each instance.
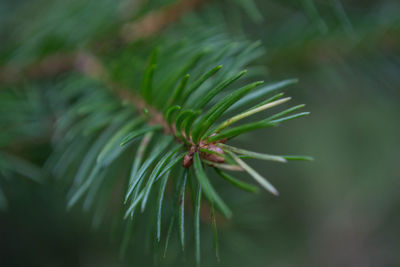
(340, 210)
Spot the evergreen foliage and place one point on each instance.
(142, 123)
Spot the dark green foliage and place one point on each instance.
(93, 139)
(159, 155)
(141, 128)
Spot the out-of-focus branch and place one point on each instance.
(156, 21)
(145, 27)
(46, 67)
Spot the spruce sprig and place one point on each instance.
(166, 139)
(118, 126)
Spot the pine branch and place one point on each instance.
(181, 114)
(182, 136)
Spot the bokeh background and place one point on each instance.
(340, 210)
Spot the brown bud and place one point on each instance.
(187, 160)
(213, 157)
